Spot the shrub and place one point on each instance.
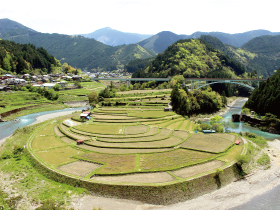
(264, 160)
(205, 126)
(250, 135)
(218, 127)
(246, 111)
(241, 159)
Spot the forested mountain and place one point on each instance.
(159, 42)
(24, 58)
(133, 65)
(195, 58)
(266, 98)
(113, 37)
(78, 51)
(260, 54)
(191, 58)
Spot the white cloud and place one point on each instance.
(145, 16)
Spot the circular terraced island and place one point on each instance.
(131, 147)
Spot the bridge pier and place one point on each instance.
(127, 83)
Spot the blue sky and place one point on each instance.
(144, 16)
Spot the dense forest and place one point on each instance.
(259, 55)
(24, 58)
(266, 98)
(77, 51)
(133, 65)
(192, 58)
(196, 102)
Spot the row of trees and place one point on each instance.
(50, 94)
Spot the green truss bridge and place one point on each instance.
(195, 83)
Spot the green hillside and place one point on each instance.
(266, 98)
(78, 51)
(25, 58)
(192, 58)
(260, 54)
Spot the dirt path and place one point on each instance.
(227, 197)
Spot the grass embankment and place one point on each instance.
(24, 186)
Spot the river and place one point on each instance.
(242, 127)
(7, 128)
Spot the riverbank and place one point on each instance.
(221, 112)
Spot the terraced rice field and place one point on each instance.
(132, 145)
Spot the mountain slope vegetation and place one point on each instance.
(78, 51)
(24, 58)
(191, 58)
(266, 98)
(260, 54)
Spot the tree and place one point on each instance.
(93, 98)
(224, 98)
(56, 87)
(6, 63)
(175, 98)
(216, 119)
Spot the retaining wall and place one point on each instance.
(162, 194)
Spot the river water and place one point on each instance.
(242, 127)
(7, 128)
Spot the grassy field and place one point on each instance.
(59, 155)
(172, 160)
(151, 114)
(112, 164)
(206, 142)
(102, 129)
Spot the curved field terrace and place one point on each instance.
(142, 147)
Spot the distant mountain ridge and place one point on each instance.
(159, 42)
(78, 51)
(114, 37)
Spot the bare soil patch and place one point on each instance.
(79, 168)
(159, 177)
(198, 169)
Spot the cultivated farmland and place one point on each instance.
(132, 145)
